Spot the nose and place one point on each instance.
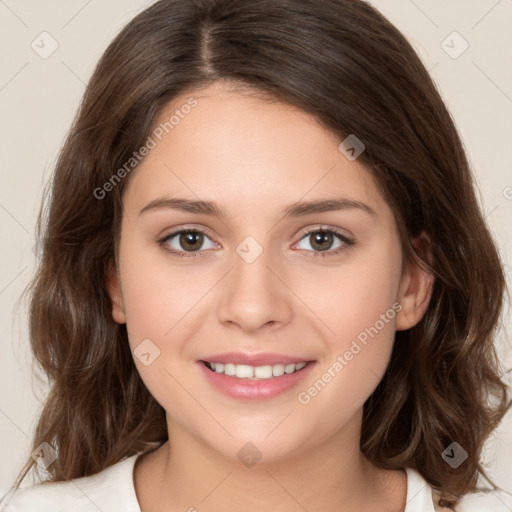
(254, 295)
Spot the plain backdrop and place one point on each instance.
(465, 46)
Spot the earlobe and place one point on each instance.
(114, 292)
(415, 288)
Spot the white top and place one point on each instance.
(112, 490)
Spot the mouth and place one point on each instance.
(255, 376)
(248, 372)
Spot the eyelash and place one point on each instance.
(347, 242)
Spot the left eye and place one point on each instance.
(322, 240)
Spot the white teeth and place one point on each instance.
(289, 368)
(229, 369)
(278, 370)
(263, 372)
(244, 371)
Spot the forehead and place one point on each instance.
(237, 147)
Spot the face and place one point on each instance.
(265, 275)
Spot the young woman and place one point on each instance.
(258, 285)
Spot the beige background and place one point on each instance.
(38, 99)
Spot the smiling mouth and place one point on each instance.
(244, 371)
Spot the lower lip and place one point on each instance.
(246, 389)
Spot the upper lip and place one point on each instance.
(261, 359)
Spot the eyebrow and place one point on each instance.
(297, 209)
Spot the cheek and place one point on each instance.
(358, 308)
(157, 295)
(159, 304)
(353, 296)
(163, 309)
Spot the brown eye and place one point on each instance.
(326, 241)
(186, 241)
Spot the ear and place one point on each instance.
(114, 292)
(415, 287)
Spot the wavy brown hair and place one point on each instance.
(346, 64)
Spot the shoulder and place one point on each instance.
(422, 497)
(111, 489)
(492, 501)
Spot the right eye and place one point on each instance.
(185, 241)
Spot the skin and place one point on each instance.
(254, 158)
